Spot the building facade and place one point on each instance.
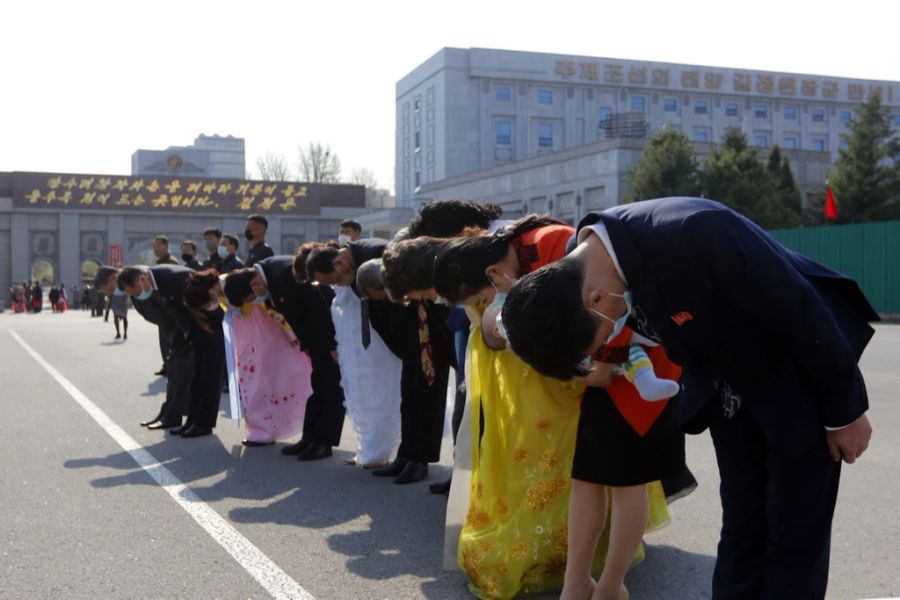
(58, 227)
(209, 156)
(469, 119)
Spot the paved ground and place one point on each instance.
(80, 519)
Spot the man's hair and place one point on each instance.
(408, 266)
(129, 276)
(319, 261)
(237, 285)
(162, 240)
(460, 266)
(212, 231)
(102, 275)
(232, 241)
(190, 243)
(298, 267)
(355, 226)
(196, 295)
(368, 276)
(259, 219)
(447, 218)
(547, 324)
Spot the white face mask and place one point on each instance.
(618, 324)
(344, 239)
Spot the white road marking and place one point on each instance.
(269, 575)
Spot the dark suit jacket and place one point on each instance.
(213, 262)
(258, 252)
(732, 305)
(170, 283)
(231, 263)
(302, 305)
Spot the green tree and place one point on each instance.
(667, 168)
(734, 175)
(866, 175)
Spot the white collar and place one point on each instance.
(599, 229)
(152, 280)
(262, 273)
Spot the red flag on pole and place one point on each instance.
(830, 205)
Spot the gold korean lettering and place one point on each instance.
(102, 199)
(787, 86)
(742, 82)
(267, 202)
(173, 186)
(203, 201)
(153, 187)
(809, 87)
(50, 197)
(123, 200)
(175, 200)
(876, 90)
(690, 79)
(86, 183)
(136, 186)
(712, 81)
(301, 191)
(246, 203)
(243, 189)
(33, 196)
(589, 71)
(87, 198)
(565, 68)
(54, 182)
(224, 188)
(120, 185)
(209, 188)
(270, 189)
(765, 84)
(66, 196)
(829, 89)
(613, 73)
(288, 191)
(637, 75)
(257, 189)
(70, 183)
(161, 200)
(188, 201)
(139, 200)
(659, 77)
(287, 204)
(855, 91)
(103, 183)
(194, 188)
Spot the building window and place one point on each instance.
(761, 111)
(790, 142)
(761, 139)
(504, 132)
(637, 103)
(701, 107)
(545, 135)
(416, 104)
(604, 113)
(701, 135)
(818, 144)
(545, 96)
(418, 145)
(731, 109)
(790, 112)
(418, 180)
(818, 115)
(504, 94)
(845, 116)
(670, 104)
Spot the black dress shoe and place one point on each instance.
(295, 449)
(315, 452)
(161, 372)
(391, 470)
(442, 487)
(181, 430)
(162, 425)
(252, 444)
(153, 420)
(412, 473)
(194, 432)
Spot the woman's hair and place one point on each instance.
(237, 285)
(298, 267)
(196, 295)
(320, 260)
(447, 218)
(408, 266)
(459, 271)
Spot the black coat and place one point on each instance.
(259, 252)
(364, 250)
(171, 281)
(302, 305)
(731, 305)
(231, 263)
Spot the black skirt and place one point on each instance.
(609, 451)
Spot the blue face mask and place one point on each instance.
(144, 295)
(261, 299)
(499, 299)
(118, 292)
(618, 324)
(222, 251)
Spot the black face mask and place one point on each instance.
(187, 257)
(248, 235)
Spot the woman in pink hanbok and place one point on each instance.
(267, 373)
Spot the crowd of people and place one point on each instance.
(581, 357)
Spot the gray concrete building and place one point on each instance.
(208, 156)
(60, 226)
(536, 131)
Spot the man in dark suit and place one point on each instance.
(769, 341)
(212, 237)
(228, 253)
(157, 294)
(189, 255)
(255, 232)
(305, 310)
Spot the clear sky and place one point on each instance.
(84, 83)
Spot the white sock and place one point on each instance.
(652, 388)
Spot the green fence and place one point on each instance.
(869, 253)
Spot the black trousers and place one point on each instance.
(422, 409)
(777, 511)
(324, 418)
(163, 346)
(209, 369)
(179, 380)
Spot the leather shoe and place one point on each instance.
(181, 430)
(442, 487)
(161, 372)
(315, 452)
(391, 470)
(194, 432)
(150, 421)
(412, 473)
(161, 425)
(295, 449)
(252, 444)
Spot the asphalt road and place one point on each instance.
(81, 519)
